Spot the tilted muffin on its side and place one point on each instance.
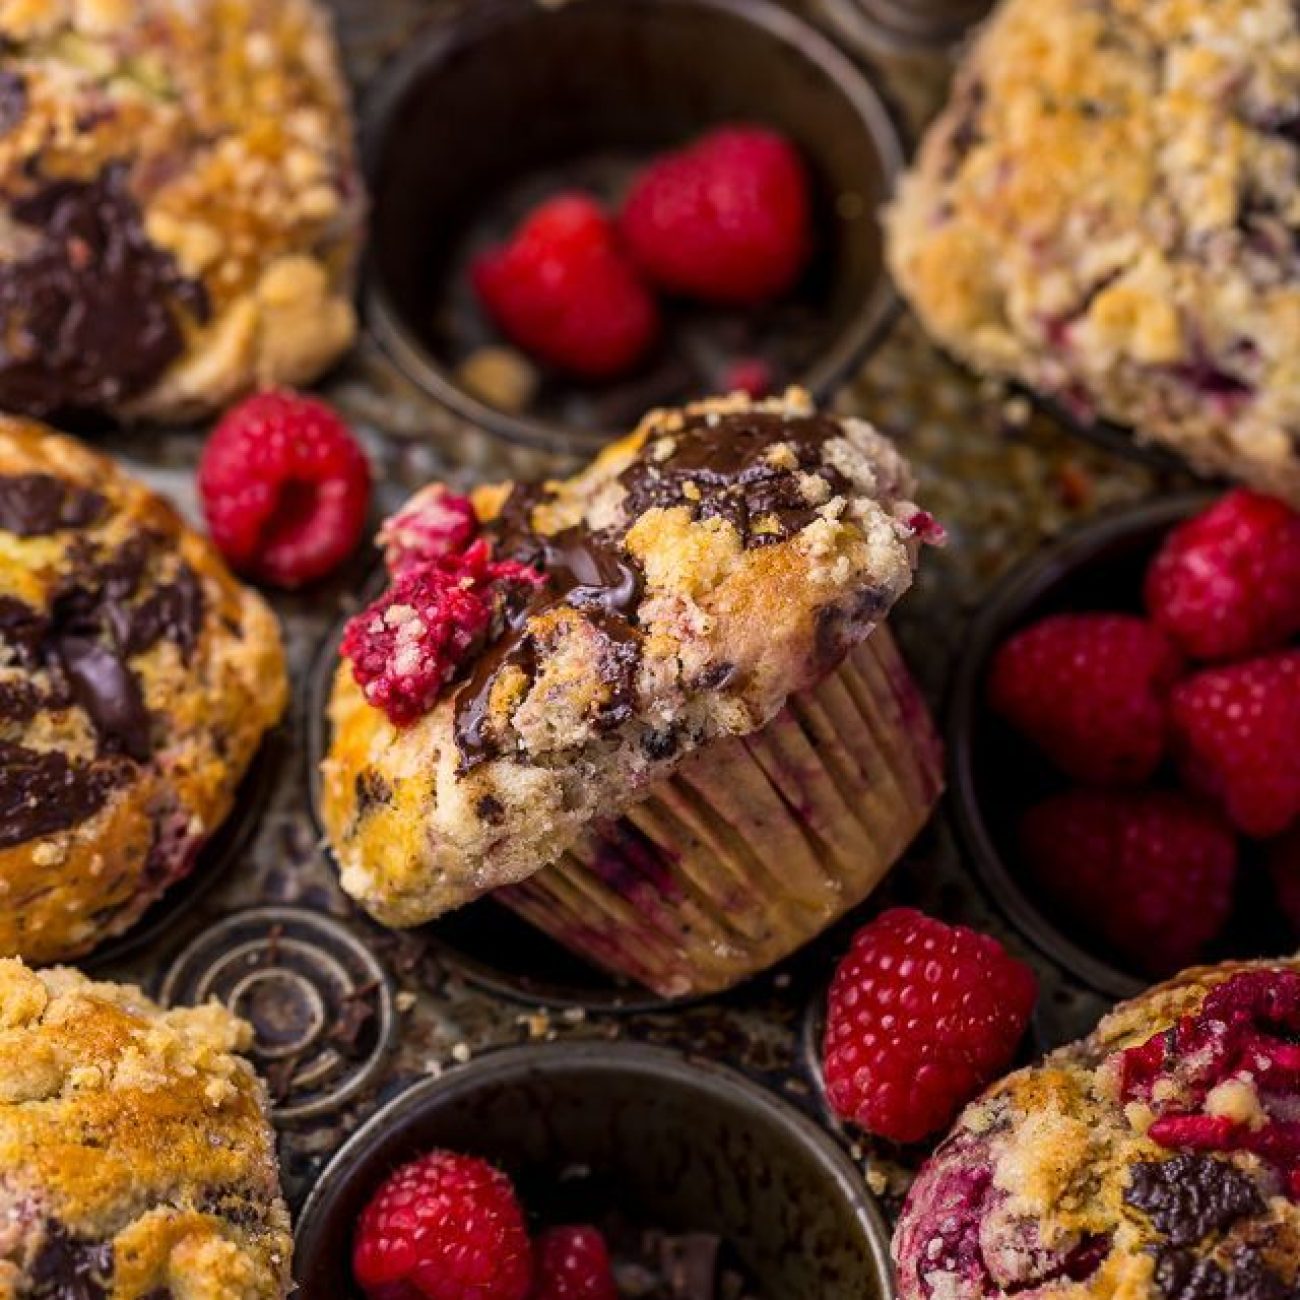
(1108, 211)
(180, 207)
(551, 656)
(1158, 1159)
(137, 679)
(138, 1161)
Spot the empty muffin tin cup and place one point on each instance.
(588, 1131)
(899, 26)
(994, 774)
(511, 101)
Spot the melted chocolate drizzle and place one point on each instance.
(585, 570)
(35, 505)
(42, 792)
(84, 643)
(717, 468)
(90, 317)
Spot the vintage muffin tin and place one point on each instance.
(440, 1021)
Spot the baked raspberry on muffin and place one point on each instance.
(1107, 211)
(138, 1159)
(181, 209)
(137, 679)
(1158, 1158)
(642, 705)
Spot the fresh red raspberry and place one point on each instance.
(444, 1227)
(405, 647)
(573, 1264)
(1149, 871)
(749, 375)
(1235, 732)
(922, 1015)
(285, 488)
(728, 219)
(1226, 584)
(563, 290)
(1090, 690)
(1283, 860)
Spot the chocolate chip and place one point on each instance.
(371, 789)
(1182, 1275)
(658, 745)
(1191, 1196)
(35, 505)
(489, 809)
(13, 100)
(66, 1268)
(107, 689)
(92, 316)
(43, 792)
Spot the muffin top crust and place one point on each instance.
(138, 1161)
(1108, 211)
(137, 678)
(180, 207)
(1160, 1158)
(545, 654)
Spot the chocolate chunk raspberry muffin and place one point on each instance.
(138, 1161)
(137, 679)
(1108, 211)
(179, 208)
(1158, 1158)
(643, 705)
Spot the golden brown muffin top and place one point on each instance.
(136, 680)
(1157, 1159)
(684, 585)
(1108, 210)
(136, 1153)
(181, 207)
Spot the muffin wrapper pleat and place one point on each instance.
(756, 844)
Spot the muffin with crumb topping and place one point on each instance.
(1108, 211)
(1157, 1159)
(137, 680)
(137, 1155)
(650, 707)
(180, 207)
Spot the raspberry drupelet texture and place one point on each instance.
(1234, 735)
(563, 290)
(444, 1227)
(573, 1264)
(1226, 584)
(1091, 691)
(1151, 872)
(728, 219)
(922, 1015)
(405, 647)
(285, 488)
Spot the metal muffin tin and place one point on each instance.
(351, 1017)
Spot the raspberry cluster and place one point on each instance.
(1179, 727)
(445, 596)
(727, 221)
(1228, 1077)
(450, 1227)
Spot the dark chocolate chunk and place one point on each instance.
(490, 809)
(20, 701)
(13, 100)
(66, 1268)
(718, 469)
(1191, 1196)
(42, 792)
(35, 505)
(1183, 1275)
(92, 316)
(22, 628)
(371, 789)
(107, 689)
